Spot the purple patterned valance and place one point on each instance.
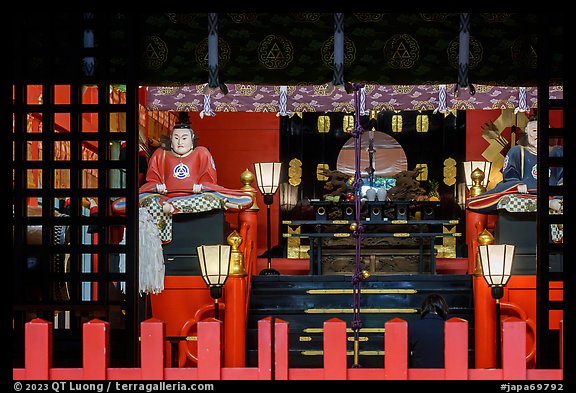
(317, 98)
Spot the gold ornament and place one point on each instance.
(422, 123)
(236, 256)
(323, 124)
(320, 170)
(397, 123)
(295, 172)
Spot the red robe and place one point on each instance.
(181, 173)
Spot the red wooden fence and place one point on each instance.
(273, 364)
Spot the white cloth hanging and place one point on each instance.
(151, 266)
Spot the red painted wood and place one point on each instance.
(96, 349)
(209, 350)
(475, 223)
(235, 322)
(485, 324)
(39, 338)
(561, 344)
(286, 266)
(152, 333)
(237, 140)
(265, 348)
(513, 349)
(334, 349)
(456, 348)
(280, 350)
(396, 349)
(38, 349)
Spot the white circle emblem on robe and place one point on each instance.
(535, 172)
(181, 171)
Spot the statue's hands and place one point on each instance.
(522, 189)
(197, 188)
(556, 205)
(161, 188)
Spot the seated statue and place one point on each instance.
(519, 176)
(182, 179)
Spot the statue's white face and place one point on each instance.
(532, 133)
(181, 140)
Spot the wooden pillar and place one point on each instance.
(235, 322)
(484, 310)
(475, 223)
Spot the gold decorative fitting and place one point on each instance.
(362, 338)
(236, 256)
(449, 171)
(247, 178)
(422, 172)
(422, 123)
(295, 172)
(477, 178)
(323, 124)
(485, 238)
(363, 291)
(348, 123)
(397, 123)
(365, 274)
(320, 168)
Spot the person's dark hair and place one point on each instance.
(434, 303)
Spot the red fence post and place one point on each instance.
(95, 349)
(280, 350)
(335, 349)
(38, 349)
(265, 348)
(562, 344)
(396, 349)
(209, 350)
(456, 348)
(152, 334)
(513, 349)
(235, 322)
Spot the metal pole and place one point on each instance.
(498, 339)
(268, 236)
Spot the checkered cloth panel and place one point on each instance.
(520, 203)
(189, 204)
(557, 230)
(515, 203)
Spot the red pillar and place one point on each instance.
(235, 322)
(484, 324)
(475, 223)
(250, 239)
